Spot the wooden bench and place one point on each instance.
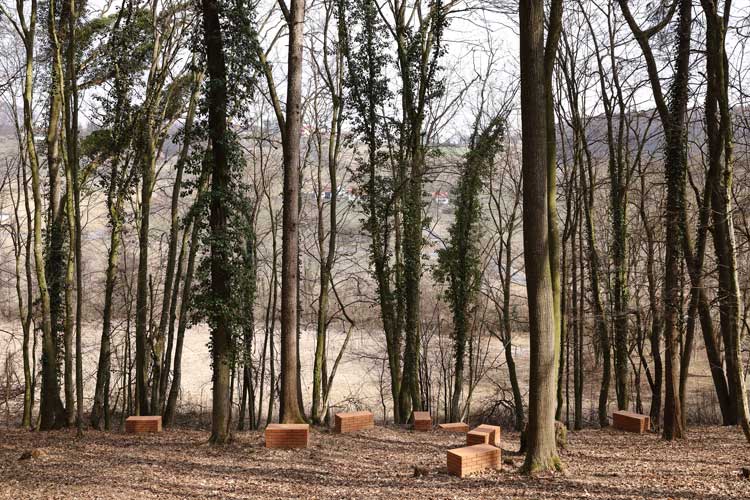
(631, 422)
(353, 421)
(287, 435)
(422, 421)
(470, 459)
(141, 424)
(454, 427)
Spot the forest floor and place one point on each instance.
(377, 463)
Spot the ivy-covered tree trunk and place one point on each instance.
(418, 51)
(51, 407)
(459, 262)
(117, 190)
(71, 108)
(676, 169)
(219, 245)
(411, 167)
(368, 84)
(142, 282)
(673, 119)
(410, 397)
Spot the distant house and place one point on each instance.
(440, 197)
(352, 193)
(349, 194)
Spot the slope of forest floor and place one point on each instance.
(377, 463)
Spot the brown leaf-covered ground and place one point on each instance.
(377, 463)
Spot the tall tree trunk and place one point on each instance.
(69, 294)
(146, 135)
(219, 247)
(142, 285)
(187, 290)
(334, 82)
(508, 330)
(673, 119)
(600, 319)
(116, 192)
(290, 410)
(161, 369)
(114, 208)
(654, 307)
(74, 190)
(721, 145)
(676, 168)
(575, 320)
(554, 29)
(541, 451)
(51, 407)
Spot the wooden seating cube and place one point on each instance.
(631, 422)
(422, 421)
(353, 421)
(454, 427)
(478, 437)
(495, 432)
(287, 435)
(470, 459)
(141, 424)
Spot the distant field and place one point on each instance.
(358, 379)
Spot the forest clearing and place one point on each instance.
(377, 463)
(375, 249)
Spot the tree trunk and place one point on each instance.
(161, 368)
(676, 168)
(290, 410)
(219, 211)
(541, 451)
(655, 309)
(721, 145)
(508, 330)
(52, 412)
(185, 304)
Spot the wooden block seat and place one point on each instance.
(353, 421)
(492, 433)
(478, 437)
(631, 422)
(422, 421)
(470, 459)
(287, 435)
(141, 424)
(454, 427)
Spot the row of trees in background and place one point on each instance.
(625, 138)
(226, 115)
